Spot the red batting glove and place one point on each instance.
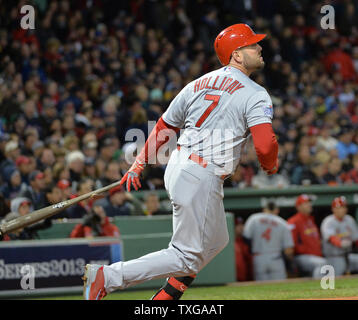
(132, 176)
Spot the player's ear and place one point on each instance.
(237, 56)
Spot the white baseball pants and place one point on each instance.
(339, 263)
(310, 263)
(269, 266)
(199, 227)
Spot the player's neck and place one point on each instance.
(241, 68)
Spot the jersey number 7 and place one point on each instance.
(210, 97)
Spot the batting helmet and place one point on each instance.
(232, 38)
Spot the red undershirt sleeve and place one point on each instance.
(161, 134)
(266, 145)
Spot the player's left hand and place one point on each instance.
(132, 176)
(273, 170)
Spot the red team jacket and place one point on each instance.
(243, 260)
(305, 234)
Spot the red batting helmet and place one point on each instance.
(232, 38)
(339, 202)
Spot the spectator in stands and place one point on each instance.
(121, 203)
(23, 163)
(107, 149)
(4, 207)
(345, 146)
(35, 190)
(302, 166)
(65, 186)
(12, 152)
(80, 209)
(308, 253)
(19, 234)
(47, 159)
(12, 183)
(154, 177)
(4, 138)
(315, 175)
(91, 172)
(351, 175)
(111, 174)
(22, 206)
(95, 224)
(334, 171)
(75, 161)
(54, 195)
(325, 139)
(152, 205)
(243, 257)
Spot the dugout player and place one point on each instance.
(308, 253)
(339, 233)
(219, 112)
(270, 238)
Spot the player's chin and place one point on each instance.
(260, 65)
(261, 62)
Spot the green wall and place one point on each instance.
(142, 235)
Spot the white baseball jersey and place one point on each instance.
(344, 229)
(268, 233)
(216, 112)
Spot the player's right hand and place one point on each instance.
(132, 176)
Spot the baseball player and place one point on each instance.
(339, 231)
(219, 112)
(308, 253)
(269, 237)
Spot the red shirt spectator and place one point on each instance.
(98, 225)
(341, 61)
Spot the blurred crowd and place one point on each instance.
(71, 88)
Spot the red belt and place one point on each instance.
(201, 162)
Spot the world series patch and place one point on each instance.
(268, 111)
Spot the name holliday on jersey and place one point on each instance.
(225, 84)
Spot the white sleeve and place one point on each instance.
(354, 229)
(175, 114)
(327, 229)
(248, 228)
(287, 237)
(259, 109)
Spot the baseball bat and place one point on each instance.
(49, 211)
